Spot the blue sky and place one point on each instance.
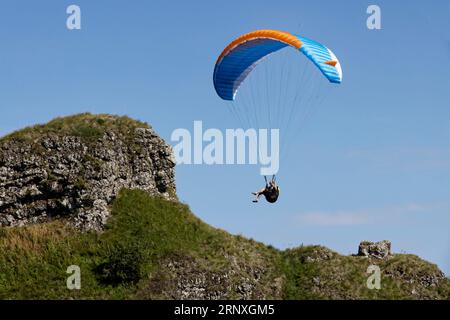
(373, 162)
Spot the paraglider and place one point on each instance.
(238, 61)
(271, 191)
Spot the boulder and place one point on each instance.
(379, 250)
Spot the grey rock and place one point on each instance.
(56, 176)
(379, 250)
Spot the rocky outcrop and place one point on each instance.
(186, 278)
(47, 174)
(378, 250)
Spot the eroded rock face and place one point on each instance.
(57, 176)
(379, 250)
(186, 278)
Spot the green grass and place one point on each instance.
(142, 232)
(345, 277)
(145, 234)
(87, 126)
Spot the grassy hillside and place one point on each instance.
(154, 249)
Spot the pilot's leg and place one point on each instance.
(258, 194)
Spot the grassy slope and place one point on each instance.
(121, 261)
(126, 261)
(345, 277)
(85, 125)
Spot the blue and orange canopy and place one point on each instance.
(242, 55)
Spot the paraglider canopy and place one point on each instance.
(282, 92)
(242, 55)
